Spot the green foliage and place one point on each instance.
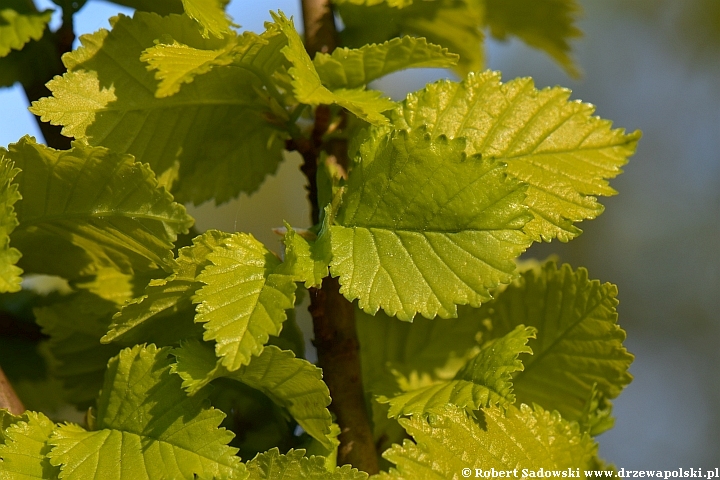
(290, 382)
(578, 353)
(145, 420)
(423, 227)
(219, 141)
(191, 339)
(484, 381)
(9, 256)
(274, 466)
(24, 446)
(528, 438)
(19, 24)
(164, 314)
(244, 300)
(544, 24)
(554, 145)
(353, 68)
(87, 209)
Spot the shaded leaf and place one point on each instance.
(485, 381)
(452, 24)
(33, 65)
(544, 24)
(290, 382)
(87, 208)
(20, 25)
(220, 132)
(579, 344)
(165, 313)
(555, 145)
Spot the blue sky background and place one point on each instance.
(649, 64)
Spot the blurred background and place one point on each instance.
(652, 65)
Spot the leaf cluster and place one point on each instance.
(185, 346)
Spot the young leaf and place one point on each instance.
(166, 310)
(305, 260)
(20, 25)
(220, 127)
(423, 228)
(24, 447)
(9, 273)
(146, 427)
(210, 14)
(87, 208)
(485, 381)
(272, 465)
(177, 64)
(556, 146)
(307, 87)
(290, 382)
(243, 301)
(347, 68)
(509, 439)
(544, 24)
(452, 24)
(578, 345)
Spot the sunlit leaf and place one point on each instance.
(353, 68)
(9, 256)
(243, 301)
(368, 105)
(521, 438)
(272, 465)
(146, 427)
(424, 228)
(551, 143)
(24, 447)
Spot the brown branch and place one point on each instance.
(339, 357)
(336, 339)
(8, 398)
(319, 24)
